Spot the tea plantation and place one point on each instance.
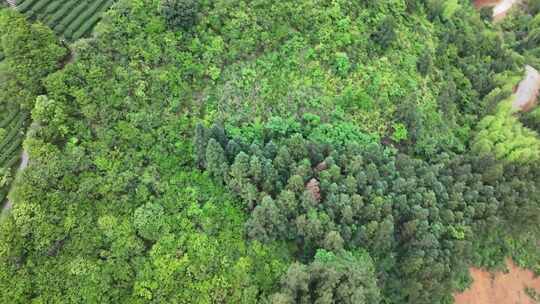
(71, 19)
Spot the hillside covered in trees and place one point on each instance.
(253, 151)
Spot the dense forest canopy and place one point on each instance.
(298, 151)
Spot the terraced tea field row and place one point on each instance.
(12, 125)
(71, 19)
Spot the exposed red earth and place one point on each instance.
(484, 3)
(499, 287)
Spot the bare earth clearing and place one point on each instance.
(500, 288)
(527, 92)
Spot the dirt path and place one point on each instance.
(500, 288)
(22, 166)
(526, 95)
(500, 7)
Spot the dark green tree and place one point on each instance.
(425, 62)
(331, 278)
(486, 13)
(149, 220)
(385, 34)
(180, 14)
(200, 141)
(216, 162)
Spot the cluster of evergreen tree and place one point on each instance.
(532, 120)
(417, 219)
(344, 277)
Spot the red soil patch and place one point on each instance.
(500, 288)
(484, 3)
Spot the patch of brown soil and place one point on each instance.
(499, 287)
